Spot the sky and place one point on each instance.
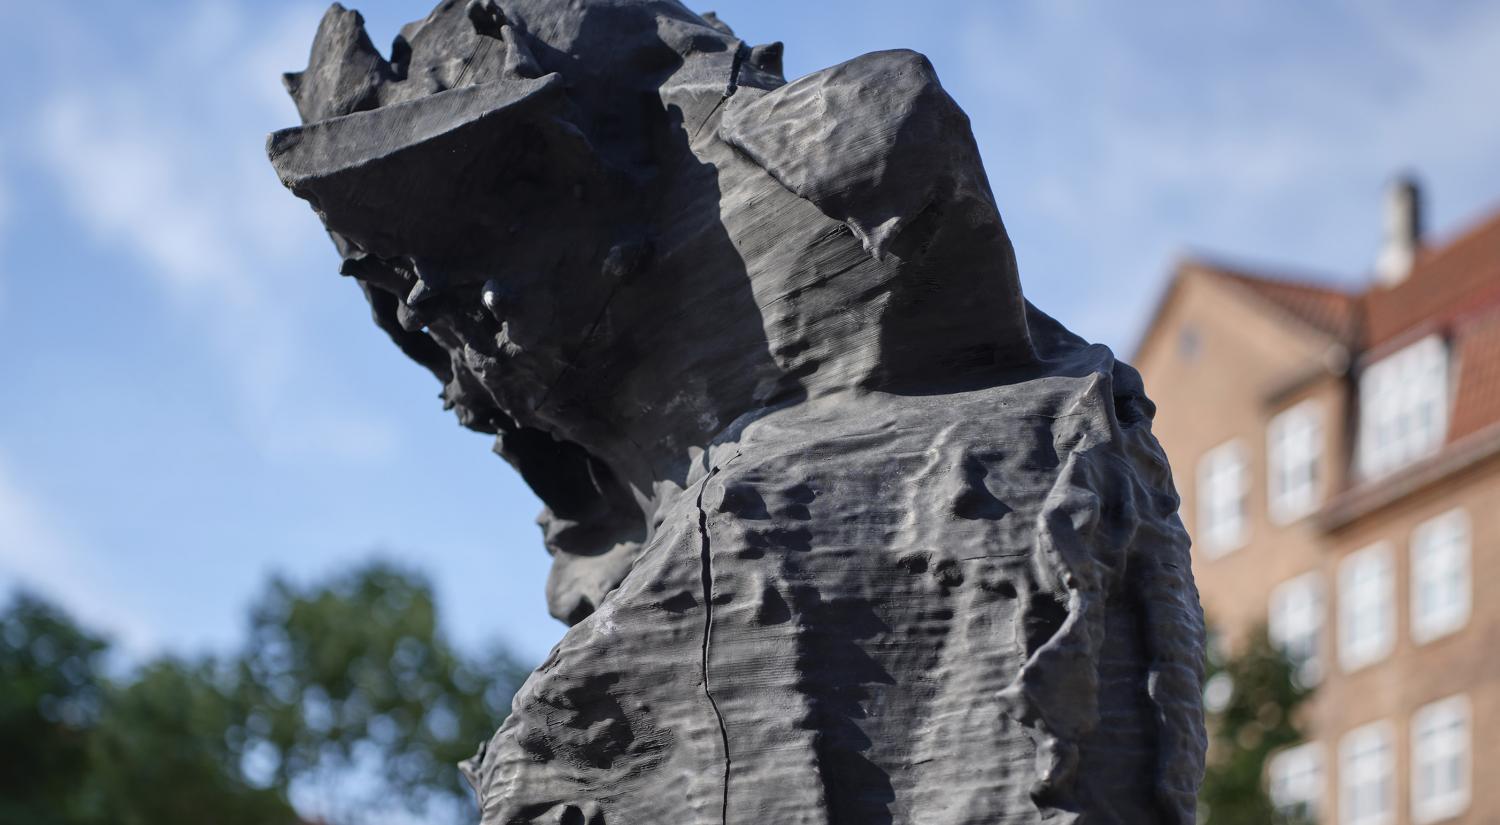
(192, 399)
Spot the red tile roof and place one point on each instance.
(1327, 309)
(1448, 282)
(1476, 349)
(1453, 289)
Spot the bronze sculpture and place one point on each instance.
(846, 530)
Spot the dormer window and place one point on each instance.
(1403, 407)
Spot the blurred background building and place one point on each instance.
(1338, 456)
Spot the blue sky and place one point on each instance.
(193, 398)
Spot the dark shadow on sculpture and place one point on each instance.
(845, 677)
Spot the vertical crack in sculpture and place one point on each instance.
(707, 564)
(834, 513)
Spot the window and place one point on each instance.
(1296, 780)
(1403, 407)
(1366, 776)
(1223, 482)
(1294, 447)
(1367, 625)
(1296, 623)
(1440, 760)
(1189, 343)
(1440, 592)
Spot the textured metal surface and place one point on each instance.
(846, 530)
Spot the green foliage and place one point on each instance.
(1257, 719)
(349, 676)
(356, 671)
(49, 705)
(162, 753)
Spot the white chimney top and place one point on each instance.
(1403, 231)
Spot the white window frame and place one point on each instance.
(1223, 474)
(1403, 401)
(1371, 610)
(1294, 461)
(1361, 743)
(1435, 736)
(1295, 621)
(1441, 545)
(1295, 780)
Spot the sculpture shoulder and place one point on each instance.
(872, 142)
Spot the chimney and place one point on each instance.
(1403, 231)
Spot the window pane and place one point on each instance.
(1294, 441)
(1296, 623)
(1366, 775)
(1403, 407)
(1296, 780)
(1366, 614)
(1440, 575)
(1223, 482)
(1440, 760)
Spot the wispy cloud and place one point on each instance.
(165, 165)
(1248, 130)
(133, 185)
(36, 552)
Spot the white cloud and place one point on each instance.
(1135, 137)
(36, 552)
(166, 166)
(134, 185)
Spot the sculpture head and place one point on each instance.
(612, 229)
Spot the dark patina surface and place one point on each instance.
(846, 530)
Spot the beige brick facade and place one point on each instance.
(1228, 351)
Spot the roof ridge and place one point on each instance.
(1475, 230)
(1450, 277)
(1327, 309)
(1285, 277)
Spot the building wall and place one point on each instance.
(1206, 398)
(1219, 365)
(1414, 675)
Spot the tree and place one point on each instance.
(1252, 698)
(355, 673)
(164, 751)
(50, 702)
(81, 750)
(351, 675)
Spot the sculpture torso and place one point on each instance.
(895, 616)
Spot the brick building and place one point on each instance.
(1338, 456)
